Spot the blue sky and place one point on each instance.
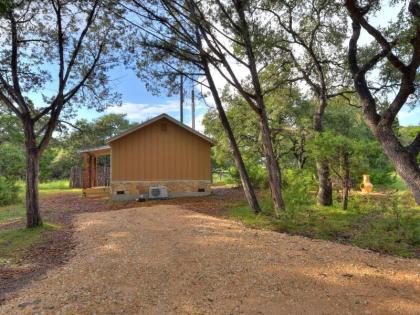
(139, 104)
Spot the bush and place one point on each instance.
(9, 192)
(256, 172)
(297, 187)
(258, 176)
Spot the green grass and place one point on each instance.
(399, 184)
(220, 179)
(50, 188)
(244, 214)
(14, 212)
(388, 224)
(11, 213)
(13, 241)
(55, 185)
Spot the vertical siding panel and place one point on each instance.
(114, 160)
(177, 154)
(158, 152)
(165, 164)
(200, 164)
(141, 155)
(128, 153)
(137, 161)
(168, 150)
(176, 151)
(121, 160)
(194, 157)
(203, 159)
(125, 158)
(114, 165)
(144, 154)
(189, 168)
(117, 160)
(186, 162)
(147, 141)
(153, 154)
(161, 154)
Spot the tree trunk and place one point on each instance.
(324, 197)
(405, 163)
(258, 105)
(346, 181)
(274, 175)
(246, 182)
(33, 217)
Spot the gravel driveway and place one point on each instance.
(167, 260)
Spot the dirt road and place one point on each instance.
(167, 260)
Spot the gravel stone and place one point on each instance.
(167, 260)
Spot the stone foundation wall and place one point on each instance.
(180, 188)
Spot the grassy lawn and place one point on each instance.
(13, 240)
(373, 222)
(15, 212)
(50, 188)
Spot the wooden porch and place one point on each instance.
(90, 165)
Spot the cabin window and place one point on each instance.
(120, 192)
(201, 190)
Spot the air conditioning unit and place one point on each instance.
(158, 192)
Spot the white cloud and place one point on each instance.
(139, 112)
(199, 123)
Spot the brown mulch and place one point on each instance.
(54, 249)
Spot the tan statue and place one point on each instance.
(366, 186)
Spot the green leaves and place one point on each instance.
(5, 6)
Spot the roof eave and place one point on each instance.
(150, 121)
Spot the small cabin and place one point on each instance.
(161, 152)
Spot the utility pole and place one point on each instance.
(192, 108)
(181, 99)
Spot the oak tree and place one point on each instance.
(54, 59)
(395, 48)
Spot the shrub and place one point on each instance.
(9, 192)
(297, 187)
(258, 176)
(256, 172)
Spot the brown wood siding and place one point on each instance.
(151, 153)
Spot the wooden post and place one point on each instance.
(94, 182)
(86, 170)
(90, 170)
